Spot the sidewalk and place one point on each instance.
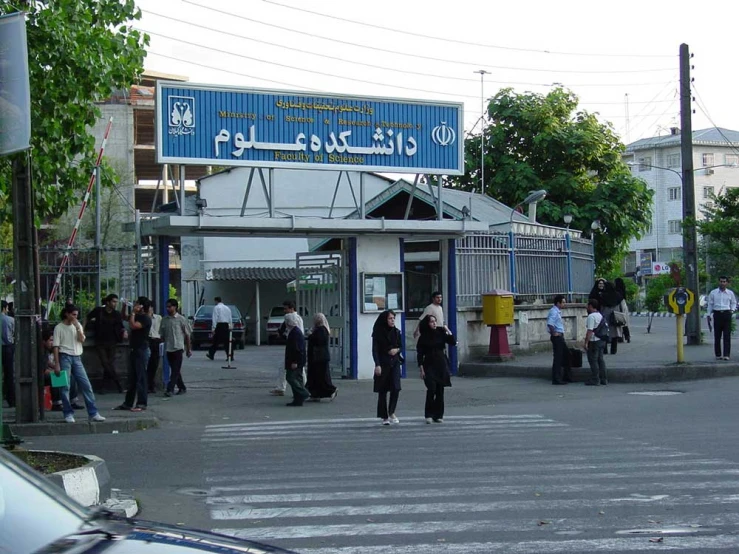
(649, 358)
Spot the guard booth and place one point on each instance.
(265, 130)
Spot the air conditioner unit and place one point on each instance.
(708, 171)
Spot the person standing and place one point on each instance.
(175, 332)
(433, 309)
(281, 384)
(68, 339)
(434, 366)
(140, 324)
(8, 354)
(561, 371)
(595, 346)
(319, 382)
(295, 359)
(387, 345)
(154, 341)
(107, 324)
(608, 298)
(721, 305)
(623, 307)
(222, 324)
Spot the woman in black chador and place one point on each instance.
(319, 382)
(609, 300)
(434, 366)
(387, 345)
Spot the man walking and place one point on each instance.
(435, 310)
(175, 333)
(595, 346)
(154, 341)
(140, 324)
(561, 372)
(281, 383)
(68, 340)
(721, 306)
(109, 331)
(8, 354)
(222, 323)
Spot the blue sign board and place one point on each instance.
(206, 125)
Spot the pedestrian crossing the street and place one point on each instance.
(473, 484)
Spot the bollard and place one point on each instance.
(680, 336)
(230, 351)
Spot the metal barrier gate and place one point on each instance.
(320, 287)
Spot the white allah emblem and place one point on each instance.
(443, 135)
(181, 115)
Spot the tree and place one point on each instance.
(535, 141)
(79, 51)
(720, 233)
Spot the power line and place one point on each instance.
(455, 41)
(702, 108)
(357, 45)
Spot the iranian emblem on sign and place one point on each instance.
(181, 116)
(443, 135)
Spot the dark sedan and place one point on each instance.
(202, 325)
(37, 517)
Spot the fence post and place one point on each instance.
(568, 246)
(512, 260)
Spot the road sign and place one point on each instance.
(645, 263)
(680, 300)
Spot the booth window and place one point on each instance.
(421, 279)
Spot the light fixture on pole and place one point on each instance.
(482, 73)
(532, 198)
(567, 219)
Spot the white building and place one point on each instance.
(657, 160)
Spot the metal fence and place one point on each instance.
(118, 273)
(531, 267)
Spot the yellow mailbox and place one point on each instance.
(497, 307)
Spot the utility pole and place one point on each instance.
(25, 293)
(690, 235)
(482, 73)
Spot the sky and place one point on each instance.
(621, 59)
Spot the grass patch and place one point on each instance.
(49, 462)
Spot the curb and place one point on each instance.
(644, 374)
(89, 485)
(60, 428)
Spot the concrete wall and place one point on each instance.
(528, 332)
(374, 255)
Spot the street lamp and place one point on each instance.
(532, 198)
(567, 219)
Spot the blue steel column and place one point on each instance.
(568, 244)
(353, 308)
(163, 256)
(512, 260)
(401, 244)
(452, 301)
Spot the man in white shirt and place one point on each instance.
(68, 340)
(435, 310)
(595, 346)
(222, 323)
(721, 306)
(154, 341)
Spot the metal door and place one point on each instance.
(320, 287)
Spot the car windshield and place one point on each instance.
(31, 513)
(206, 312)
(277, 311)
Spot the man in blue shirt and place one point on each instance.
(561, 371)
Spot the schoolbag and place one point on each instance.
(602, 331)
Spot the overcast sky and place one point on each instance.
(603, 51)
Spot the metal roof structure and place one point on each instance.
(713, 136)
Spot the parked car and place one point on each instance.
(202, 325)
(37, 516)
(274, 319)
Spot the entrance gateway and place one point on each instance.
(225, 126)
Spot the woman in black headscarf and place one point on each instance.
(623, 307)
(387, 345)
(434, 366)
(609, 300)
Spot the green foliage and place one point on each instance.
(657, 287)
(536, 142)
(173, 293)
(720, 234)
(79, 51)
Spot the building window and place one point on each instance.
(675, 193)
(645, 164)
(708, 160)
(707, 192)
(731, 159)
(674, 226)
(673, 160)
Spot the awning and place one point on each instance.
(250, 274)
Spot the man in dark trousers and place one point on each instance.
(721, 306)
(107, 324)
(175, 333)
(561, 372)
(221, 326)
(295, 359)
(140, 324)
(8, 332)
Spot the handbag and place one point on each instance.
(619, 318)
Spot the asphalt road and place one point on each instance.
(517, 466)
